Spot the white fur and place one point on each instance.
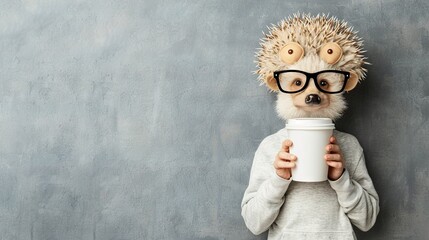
(286, 109)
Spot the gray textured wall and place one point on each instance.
(139, 119)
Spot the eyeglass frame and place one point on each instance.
(314, 77)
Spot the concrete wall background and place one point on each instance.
(139, 119)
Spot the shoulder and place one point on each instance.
(350, 148)
(347, 141)
(274, 139)
(271, 144)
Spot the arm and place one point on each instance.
(264, 196)
(357, 196)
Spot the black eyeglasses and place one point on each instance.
(327, 81)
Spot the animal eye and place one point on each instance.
(323, 83)
(331, 53)
(291, 53)
(297, 82)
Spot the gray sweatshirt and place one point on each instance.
(302, 210)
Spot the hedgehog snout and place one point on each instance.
(313, 99)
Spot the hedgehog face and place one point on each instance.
(310, 102)
(310, 44)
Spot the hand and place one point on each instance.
(285, 161)
(334, 159)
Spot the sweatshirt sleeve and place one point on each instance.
(264, 196)
(357, 196)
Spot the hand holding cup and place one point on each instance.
(334, 159)
(284, 160)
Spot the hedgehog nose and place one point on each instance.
(313, 99)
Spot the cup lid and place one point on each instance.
(310, 123)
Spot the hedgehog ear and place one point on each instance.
(271, 83)
(352, 81)
(331, 53)
(291, 53)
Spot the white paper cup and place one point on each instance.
(310, 136)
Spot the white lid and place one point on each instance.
(310, 123)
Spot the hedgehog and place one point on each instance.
(310, 44)
(310, 61)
